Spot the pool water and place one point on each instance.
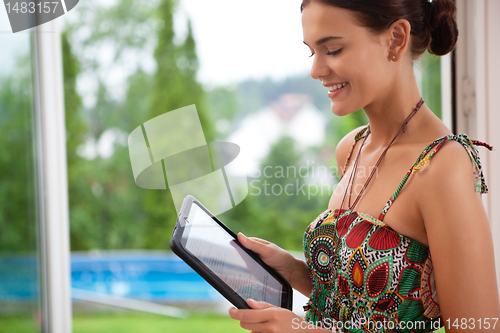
(153, 276)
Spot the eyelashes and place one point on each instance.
(333, 53)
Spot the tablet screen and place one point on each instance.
(218, 251)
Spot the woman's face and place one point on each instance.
(346, 55)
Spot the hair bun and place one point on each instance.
(442, 26)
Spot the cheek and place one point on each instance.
(370, 69)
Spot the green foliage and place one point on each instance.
(17, 189)
(97, 188)
(119, 28)
(78, 190)
(107, 209)
(168, 89)
(431, 82)
(175, 86)
(223, 105)
(75, 126)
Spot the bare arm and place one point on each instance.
(460, 241)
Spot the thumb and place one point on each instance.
(245, 241)
(258, 305)
(257, 245)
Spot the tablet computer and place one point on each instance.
(213, 251)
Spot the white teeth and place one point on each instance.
(337, 86)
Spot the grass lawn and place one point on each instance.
(154, 324)
(131, 323)
(135, 322)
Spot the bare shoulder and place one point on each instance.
(451, 166)
(446, 192)
(344, 146)
(458, 234)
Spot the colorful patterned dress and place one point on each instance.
(367, 277)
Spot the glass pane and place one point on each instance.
(19, 269)
(430, 81)
(123, 274)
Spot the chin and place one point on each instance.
(340, 111)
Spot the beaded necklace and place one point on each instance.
(353, 173)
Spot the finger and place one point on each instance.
(249, 316)
(244, 239)
(231, 309)
(259, 240)
(235, 313)
(257, 245)
(259, 305)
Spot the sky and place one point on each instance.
(237, 40)
(11, 44)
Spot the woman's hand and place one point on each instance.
(266, 318)
(293, 270)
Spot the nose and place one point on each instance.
(319, 68)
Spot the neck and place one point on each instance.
(387, 115)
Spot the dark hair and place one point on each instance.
(433, 26)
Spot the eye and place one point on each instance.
(312, 54)
(334, 53)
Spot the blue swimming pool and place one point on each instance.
(145, 275)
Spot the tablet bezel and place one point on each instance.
(206, 273)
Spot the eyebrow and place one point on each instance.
(325, 39)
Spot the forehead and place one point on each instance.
(320, 20)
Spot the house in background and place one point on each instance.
(292, 115)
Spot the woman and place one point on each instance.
(369, 265)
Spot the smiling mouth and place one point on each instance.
(337, 86)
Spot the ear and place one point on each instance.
(399, 38)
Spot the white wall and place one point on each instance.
(478, 92)
(488, 110)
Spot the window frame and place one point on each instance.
(49, 134)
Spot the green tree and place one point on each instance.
(175, 86)
(17, 190)
(78, 190)
(431, 82)
(111, 210)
